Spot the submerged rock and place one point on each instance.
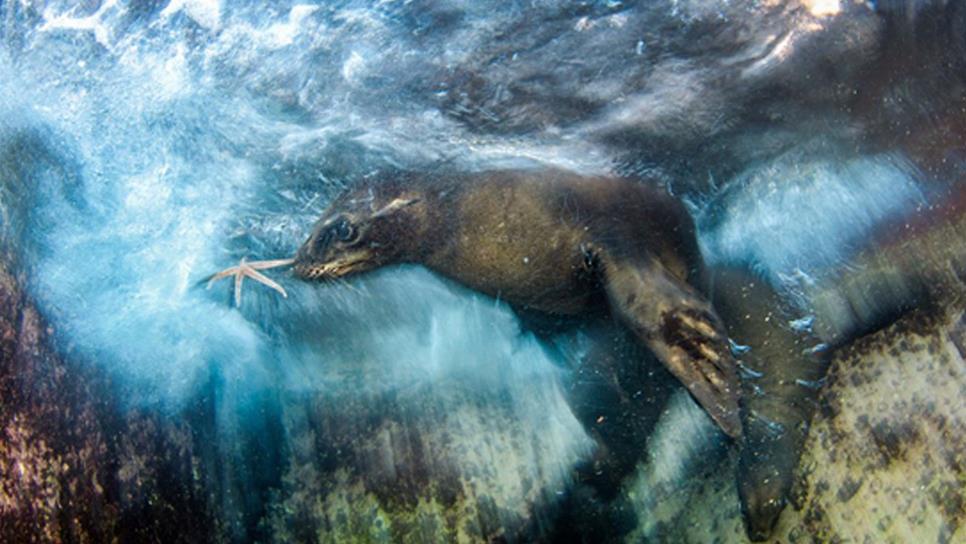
(885, 459)
(72, 468)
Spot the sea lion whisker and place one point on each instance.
(345, 283)
(339, 293)
(343, 300)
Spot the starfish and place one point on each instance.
(251, 270)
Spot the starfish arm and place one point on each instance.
(265, 280)
(231, 271)
(239, 280)
(274, 263)
(250, 269)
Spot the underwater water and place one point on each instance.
(146, 145)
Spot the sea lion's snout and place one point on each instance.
(336, 248)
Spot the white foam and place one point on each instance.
(800, 213)
(206, 13)
(284, 34)
(93, 22)
(353, 66)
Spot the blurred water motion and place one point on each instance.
(144, 145)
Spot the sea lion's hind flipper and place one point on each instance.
(676, 323)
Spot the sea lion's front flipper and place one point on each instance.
(679, 326)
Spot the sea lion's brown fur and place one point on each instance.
(547, 242)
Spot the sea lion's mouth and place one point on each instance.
(331, 270)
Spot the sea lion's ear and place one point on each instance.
(395, 205)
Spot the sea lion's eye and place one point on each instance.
(344, 231)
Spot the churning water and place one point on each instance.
(148, 144)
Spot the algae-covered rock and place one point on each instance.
(74, 468)
(431, 465)
(71, 468)
(885, 459)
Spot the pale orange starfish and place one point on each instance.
(251, 270)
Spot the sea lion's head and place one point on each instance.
(363, 229)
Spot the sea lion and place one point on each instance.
(553, 244)
(549, 243)
(614, 258)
